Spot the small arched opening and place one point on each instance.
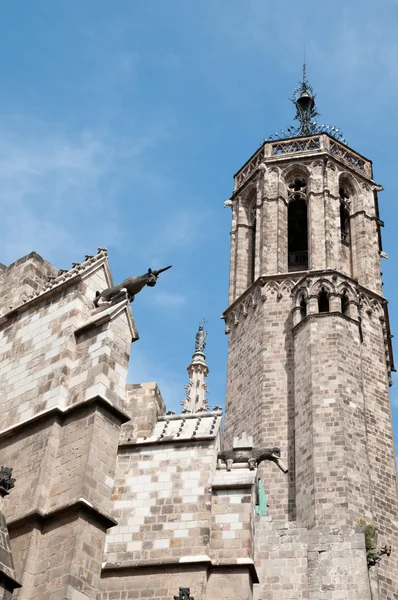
(323, 301)
(297, 226)
(303, 308)
(345, 303)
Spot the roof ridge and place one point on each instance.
(77, 269)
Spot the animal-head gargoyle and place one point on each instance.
(128, 288)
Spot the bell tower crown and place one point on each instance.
(301, 203)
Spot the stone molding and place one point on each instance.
(108, 569)
(100, 317)
(80, 506)
(301, 148)
(322, 315)
(258, 292)
(64, 411)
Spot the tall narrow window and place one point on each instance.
(252, 242)
(297, 233)
(303, 308)
(344, 304)
(344, 216)
(323, 301)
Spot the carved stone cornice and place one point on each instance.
(323, 315)
(257, 293)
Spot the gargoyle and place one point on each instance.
(184, 594)
(252, 457)
(128, 288)
(6, 480)
(374, 556)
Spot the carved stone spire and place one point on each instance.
(198, 370)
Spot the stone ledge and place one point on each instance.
(244, 562)
(105, 315)
(64, 411)
(238, 478)
(160, 562)
(80, 506)
(323, 315)
(172, 440)
(202, 415)
(184, 561)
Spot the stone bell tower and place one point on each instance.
(309, 355)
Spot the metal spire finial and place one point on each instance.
(304, 71)
(306, 113)
(304, 101)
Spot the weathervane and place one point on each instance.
(304, 101)
(306, 113)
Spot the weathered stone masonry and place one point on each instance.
(112, 497)
(309, 363)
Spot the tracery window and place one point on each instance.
(297, 227)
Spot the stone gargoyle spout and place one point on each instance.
(252, 457)
(128, 288)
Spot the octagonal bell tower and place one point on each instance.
(309, 354)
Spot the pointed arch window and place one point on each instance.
(303, 308)
(323, 301)
(297, 227)
(252, 241)
(344, 303)
(344, 216)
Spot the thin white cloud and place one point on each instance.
(168, 299)
(48, 182)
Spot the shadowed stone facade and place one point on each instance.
(117, 499)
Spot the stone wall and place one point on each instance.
(23, 278)
(260, 381)
(315, 564)
(144, 404)
(183, 520)
(332, 468)
(63, 370)
(161, 502)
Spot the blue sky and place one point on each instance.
(122, 123)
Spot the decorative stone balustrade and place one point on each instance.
(314, 143)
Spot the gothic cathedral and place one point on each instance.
(309, 355)
(106, 495)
